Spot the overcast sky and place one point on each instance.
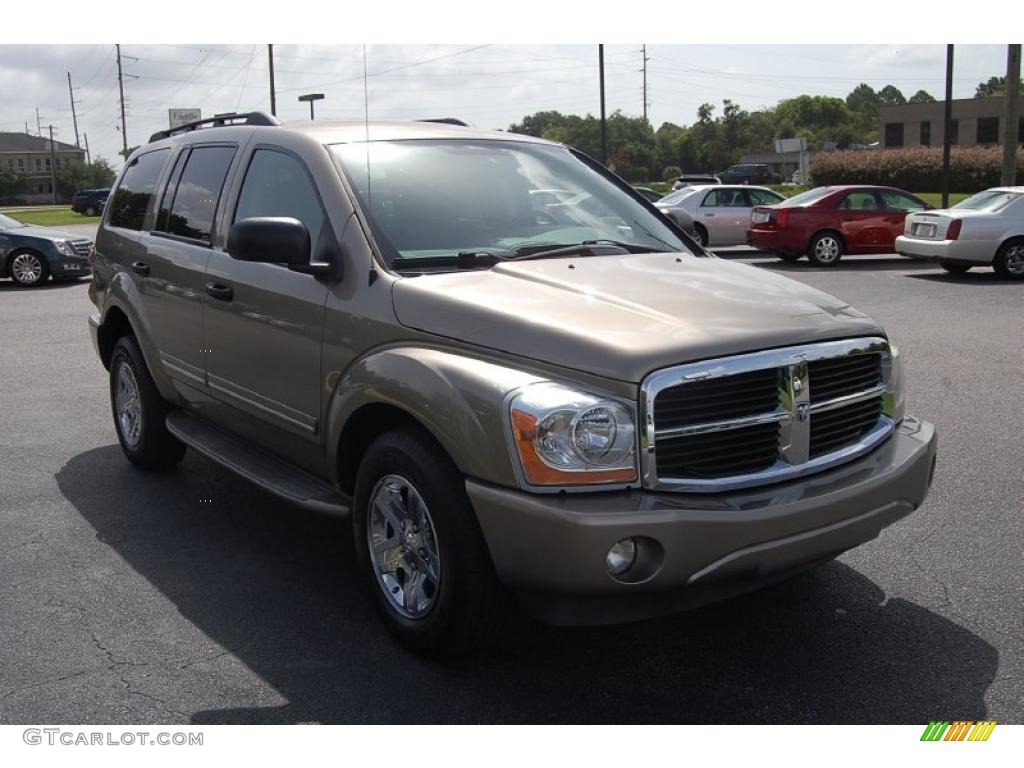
(488, 85)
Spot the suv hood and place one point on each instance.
(624, 316)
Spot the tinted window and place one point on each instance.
(894, 134)
(276, 184)
(197, 192)
(859, 201)
(763, 197)
(725, 198)
(129, 203)
(988, 130)
(895, 201)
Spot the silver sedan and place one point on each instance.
(720, 212)
(985, 229)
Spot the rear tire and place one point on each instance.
(955, 267)
(825, 249)
(1009, 260)
(420, 549)
(139, 411)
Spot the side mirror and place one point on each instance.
(271, 239)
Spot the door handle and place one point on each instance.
(140, 267)
(708, 215)
(219, 291)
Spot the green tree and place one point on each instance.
(671, 172)
(861, 97)
(890, 96)
(12, 185)
(921, 97)
(96, 175)
(994, 86)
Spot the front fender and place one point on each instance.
(457, 398)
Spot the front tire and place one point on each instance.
(139, 410)
(700, 234)
(955, 267)
(419, 547)
(28, 269)
(825, 249)
(1009, 260)
(90, 210)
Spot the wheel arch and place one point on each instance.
(458, 401)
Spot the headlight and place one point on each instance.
(894, 404)
(566, 437)
(65, 247)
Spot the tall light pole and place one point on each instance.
(1011, 116)
(947, 122)
(311, 97)
(273, 93)
(604, 122)
(74, 117)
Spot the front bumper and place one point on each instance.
(961, 251)
(64, 267)
(551, 549)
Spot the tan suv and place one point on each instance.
(569, 402)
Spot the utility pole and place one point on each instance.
(1011, 116)
(947, 122)
(604, 122)
(643, 51)
(120, 85)
(74, 117)
(86, 137)
(273, 93)
(53, 169)
(39, 125)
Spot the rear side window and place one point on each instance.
(188, 209)
(896, 201)
(129, 203)
(276, 184)
(725, 198)
(859, 201)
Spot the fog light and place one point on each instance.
(621, 557)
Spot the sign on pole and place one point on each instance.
(176, 117)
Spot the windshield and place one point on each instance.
(990, 200)
(6, 222)
(439, 198)
(810, 196)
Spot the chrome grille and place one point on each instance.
(82, 247)
(764, 417)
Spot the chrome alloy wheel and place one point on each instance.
(26, 268)
(128, 406)
(827, 249)
(403, 546)
(1014, 259)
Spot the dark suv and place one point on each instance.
(748, 173)
(511, 373)
(89, 202)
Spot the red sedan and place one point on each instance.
(828, 222)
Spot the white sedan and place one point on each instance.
(986, 229)
(720, 212)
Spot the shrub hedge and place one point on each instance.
(914, 168)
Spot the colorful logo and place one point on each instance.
(958, 730)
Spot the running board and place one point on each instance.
(256, 465)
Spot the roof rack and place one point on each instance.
(217, 121)
(446, 121)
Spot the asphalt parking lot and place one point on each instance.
(125, 599)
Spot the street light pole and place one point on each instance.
(947, 122)
(604, 122)
(1011, 116)
(273, 93)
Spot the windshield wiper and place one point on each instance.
(586, 248)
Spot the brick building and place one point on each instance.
(975, 122)
(29, 156)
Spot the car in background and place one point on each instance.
(986, 229)
(691, 180)
(828, 222)
(89, 202)
(652, 195)
(721, 213)
(29, 254)
(748, 173)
